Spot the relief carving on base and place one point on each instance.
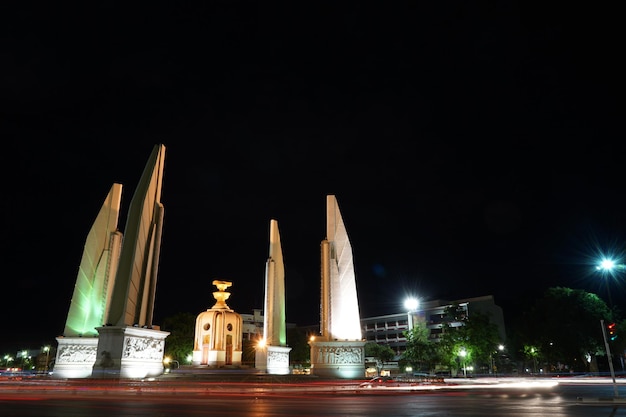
(278, 358)
(339, 355)
(143, 348)
(77, 354)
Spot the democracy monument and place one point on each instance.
(109, 330)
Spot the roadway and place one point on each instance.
(258, 395)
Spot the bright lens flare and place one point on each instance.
(606, 265)
(411, 304)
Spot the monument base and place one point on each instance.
(75, 357)
(273, 360)
(129, 352)
(216, 358)
(338, 359)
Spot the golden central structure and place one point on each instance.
(218, 334)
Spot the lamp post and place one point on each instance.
(411, 304)
(463, 354)
(47, 350)
(7, 359)
(608, 355)
(608, 267)
(168, 361)
(493, 362)
(24, 353)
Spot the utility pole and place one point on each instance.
(610, 357)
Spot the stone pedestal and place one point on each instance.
(129, 352)
(75, 357)
(338, 359)
(216, 358)
(273, 360)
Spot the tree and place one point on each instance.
(420, 353)
(179, 343)
(381, 353)
(564, 326)
(474, 341)
(531, 354)
(453, 340)
(300, 350)
(482, 336)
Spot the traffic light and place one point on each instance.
(611, 329)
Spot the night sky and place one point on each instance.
(473, 150)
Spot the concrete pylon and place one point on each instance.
(77, 347)
(129, 345)
(123, 279)
(339, 350)
(272, 353)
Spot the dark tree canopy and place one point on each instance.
(565, 325)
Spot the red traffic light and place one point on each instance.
(612, 327)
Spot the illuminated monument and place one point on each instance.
(76, 353)
(272, 355)
(218, 335)
(109, 324)
(339, 350)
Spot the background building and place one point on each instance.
(388, 329)
(253, 325)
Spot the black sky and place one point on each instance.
(473, 149)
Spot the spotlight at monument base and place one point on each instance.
(261, 343)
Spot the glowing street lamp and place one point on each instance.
(47, 350)
(493, 362)
(463, 354)
(608, 267)
(7, 359)
(168, 362)
(411, 304)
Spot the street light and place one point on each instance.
(493, 362)
(24, 353)
(167, 361)
(463, 354)
(7, 359)
(608, 266)
(411, 304)
(47, 350)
